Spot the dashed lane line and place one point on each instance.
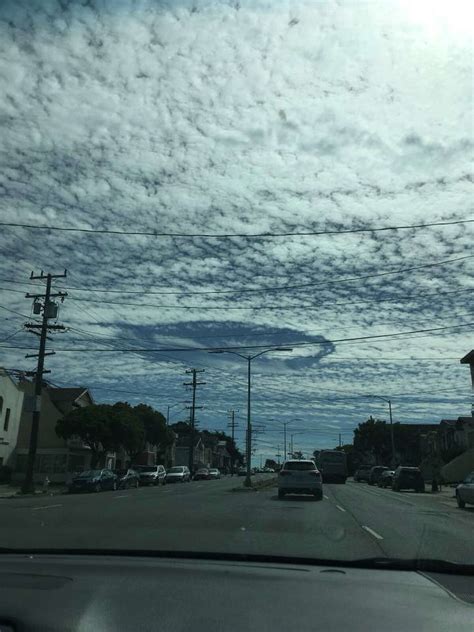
(372, 532)
(326, 497)
(122, 496)
(341, 508)
(45, 507)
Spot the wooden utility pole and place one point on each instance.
(49, 309)
(192, 417)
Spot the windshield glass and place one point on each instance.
(241, 233)
(90, 474)
(299, 465)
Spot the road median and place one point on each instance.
(256, 486)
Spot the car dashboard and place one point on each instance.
(136, 592)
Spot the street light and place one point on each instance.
(392, 439)
(293, 434)
(248, 443)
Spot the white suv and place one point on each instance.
(300, 477)
(151, 474)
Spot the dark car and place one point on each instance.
(408, 478)
(362, 473)
(386, 478)
(375, 474)
(93, 481)
(127, 478)
(202, 475)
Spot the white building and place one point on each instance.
(11, 406)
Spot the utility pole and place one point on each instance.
(285, 455)
(232, 426)
(340, 440)
(192, 417)
(392, 438)
(49, 309)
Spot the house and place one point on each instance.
(182, 452)
(11, 405)
(456, 435)
(56, 458)
(469, 359)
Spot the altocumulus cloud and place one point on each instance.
(237, 118)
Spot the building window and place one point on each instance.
(7, 419)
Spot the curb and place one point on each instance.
(33, 495)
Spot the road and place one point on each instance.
(352, 521)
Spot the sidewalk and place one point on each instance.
(13, 491)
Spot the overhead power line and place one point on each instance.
(265, 235)
(391, 336)
(270, 288)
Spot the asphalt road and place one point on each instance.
(352, 521)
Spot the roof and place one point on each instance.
(66, 394)
(184, 442)
(468, 358)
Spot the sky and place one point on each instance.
(235, 127)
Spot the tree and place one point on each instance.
(95, 426)
(271, 463)
(372, 437)
(128, 428)
(154, 424)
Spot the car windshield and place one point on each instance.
(301, 466)
(236, 247)
(90, 474)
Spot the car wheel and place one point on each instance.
(318, 495)
(98, 487)
(281, 494)
(460, 501)
(137, 484)
(114, 486)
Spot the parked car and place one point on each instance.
(127, 478)
(375, 474)
(300, 477)
(242, 471)
(214, 473)
(151, 474)
(362, 473)
(465, 491)
(178, 474)
(202, 474)
(385, 479)
(408, 478)
(93, 481)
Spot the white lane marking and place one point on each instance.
(326, 497)
(340, 508)
(167, 491)
(122, 496)
(45, 507)
(372, 532)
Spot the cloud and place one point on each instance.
(224, 117)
